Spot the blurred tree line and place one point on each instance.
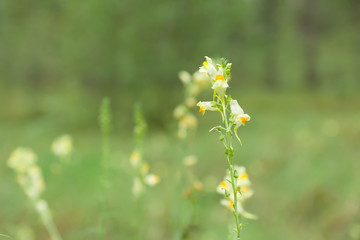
(135, 46)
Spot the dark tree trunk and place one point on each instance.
(309, 28)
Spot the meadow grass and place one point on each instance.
(301, 151)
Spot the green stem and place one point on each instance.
(48, 222)
(230, 161)
(54, 233)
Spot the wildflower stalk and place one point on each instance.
(29, 176)
(187, 124)
(235, 186)
(142, 176)
(229, 152)
(105, 126)
(48, 221)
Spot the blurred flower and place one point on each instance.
(62, 146)
(240, 117)
(185, 77)
(211, 106)
(198, 186)
(152, 179)
(145, 168)
(135, 158)
(190, 102)
(201, 79)
(21, 159)
(142, 176)
(189, 121)
(180, 111)
(42, 206)
(34, 183)
(190, 161)
(29, 176)
(138, 187)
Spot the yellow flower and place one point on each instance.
(185, 77)
(220, 85)
(242, 186)
(198, 186)
(190, 161)
(201, 79)
(189, 121)
(209, 68)
(179, 111)
(240, 117)
(62, 146)
(152, 179)
(211, 106)
(21, 159)
(135, 158)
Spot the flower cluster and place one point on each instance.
(141, 168)
(236, 185)
(143, 177)
(193, 84)
(29, 176)
(242, 186)
(62, 146)
(194, 184)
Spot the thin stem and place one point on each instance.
(48, 221)
(54, 233)
(230, 161)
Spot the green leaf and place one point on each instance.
(6, 236)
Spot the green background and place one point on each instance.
(296, 71)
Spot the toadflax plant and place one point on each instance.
(30, 178)
(236, 184)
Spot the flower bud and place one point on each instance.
(236, 174)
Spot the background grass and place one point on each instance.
(295, 71)
(301, 151)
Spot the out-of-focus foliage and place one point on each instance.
(127, 45)
(295, 69)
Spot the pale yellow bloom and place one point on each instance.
(180, 111)
(189, 121)
(209, 68)
(135, 158)
(21, 159)
(198, 186)
(240, 117)
(211, 106)
(220, 85)
(145, 168)
(190, 161)
(152, 179)
(242, 185)
(62, 146)
(185, 77)
(201, 79)
(42, 206)
(190, 102)
(138, 187)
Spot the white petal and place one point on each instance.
(220, 87)
(235, 108)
